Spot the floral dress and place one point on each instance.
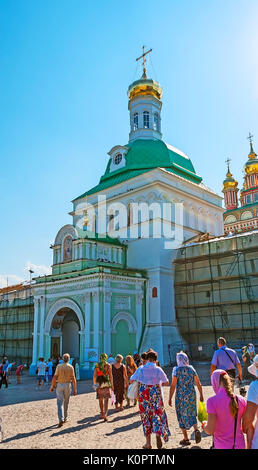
(153, 415)
(185, 396)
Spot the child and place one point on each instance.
(41, 370)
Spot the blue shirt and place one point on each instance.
(222, 361)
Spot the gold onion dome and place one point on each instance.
(145, 86)
(251, 165)
(229, 182)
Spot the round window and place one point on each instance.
(118, 159)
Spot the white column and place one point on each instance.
(80, 250)
(87, 323)
(107, 325)
(95, 296)
(139, 299)
(87, 251)
(35, 331)
(119, 256)
(41, 330)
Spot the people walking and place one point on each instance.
(184, 379)
(250, 418)
(143, 359)
(41, 371)
(131, 367)
(64, 375)
(120, 381)
(18, 374)
(225, 411)
(251, 350)
(226, 359)
(246, 357)
(3, 373)
(49, 372)
(103, 382)
(151, 404)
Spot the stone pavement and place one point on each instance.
(29, 420)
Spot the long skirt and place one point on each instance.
(153, 415)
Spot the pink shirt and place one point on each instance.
(224, 430)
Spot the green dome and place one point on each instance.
(145, 155)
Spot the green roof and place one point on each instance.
(98, 237)
(145, 155)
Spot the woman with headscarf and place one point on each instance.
(151, 404)
(184, 377)
(103, 382)
(225, 412)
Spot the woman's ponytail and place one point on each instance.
(225, 381)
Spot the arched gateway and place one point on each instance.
(63, 324)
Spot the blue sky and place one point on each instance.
(65, 69)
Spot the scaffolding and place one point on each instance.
(219, 296)
(16, 324)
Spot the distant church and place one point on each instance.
(242, 218)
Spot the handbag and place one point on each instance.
(132, 392)
(202, 413)
(231, 372)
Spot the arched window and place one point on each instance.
(154, 292)
(146, 120)
(135, 121)
(156, 122)
(117, 158)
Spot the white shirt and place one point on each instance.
(41, 368)
(150, 374)
(253, 397)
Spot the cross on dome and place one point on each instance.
(144, 75)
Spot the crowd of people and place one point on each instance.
(141, 380)
(230, 415)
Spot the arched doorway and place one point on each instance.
(64, 333)
(123, 334)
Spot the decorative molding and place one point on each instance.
(108, 296)
(86, 297)
(139, 298)
(63, 232)
(126, 317)
(59, 304)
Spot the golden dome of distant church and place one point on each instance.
(251, 165)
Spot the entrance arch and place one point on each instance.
(63, 324)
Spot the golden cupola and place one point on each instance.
(251, 165)
(144, 104)
(230, 190)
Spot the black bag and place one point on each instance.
(231, 372)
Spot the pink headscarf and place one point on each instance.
(215, 379)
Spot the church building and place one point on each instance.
(242, 218)
(112, 284)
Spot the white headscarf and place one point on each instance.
(182, 359)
